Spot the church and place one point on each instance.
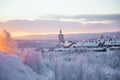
(60, 39)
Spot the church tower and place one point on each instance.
(60, 38)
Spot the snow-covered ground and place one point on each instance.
(32, 65)
(12, 68)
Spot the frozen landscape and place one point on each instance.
(59, 39)
(29, 63)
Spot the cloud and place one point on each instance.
(108, 17)
(69, 24)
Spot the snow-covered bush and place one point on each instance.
(85, 66)
(35, 61)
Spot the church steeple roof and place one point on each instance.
(60, 31)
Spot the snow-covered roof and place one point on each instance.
(67, 43)
(79, 44)
(112, 43)
(90, 44)
(86, 44)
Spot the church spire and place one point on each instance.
(60, 38)
(60, 31)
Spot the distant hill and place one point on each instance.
(79, 36)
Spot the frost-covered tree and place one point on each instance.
(36, 62)
(7, 44)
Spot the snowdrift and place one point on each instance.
(11, 68)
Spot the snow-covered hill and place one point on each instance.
(12, 68)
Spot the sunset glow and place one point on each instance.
(41, 17)
(18, 34)
(7, 44)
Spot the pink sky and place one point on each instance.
(68, 25)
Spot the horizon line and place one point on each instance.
(63, 34)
